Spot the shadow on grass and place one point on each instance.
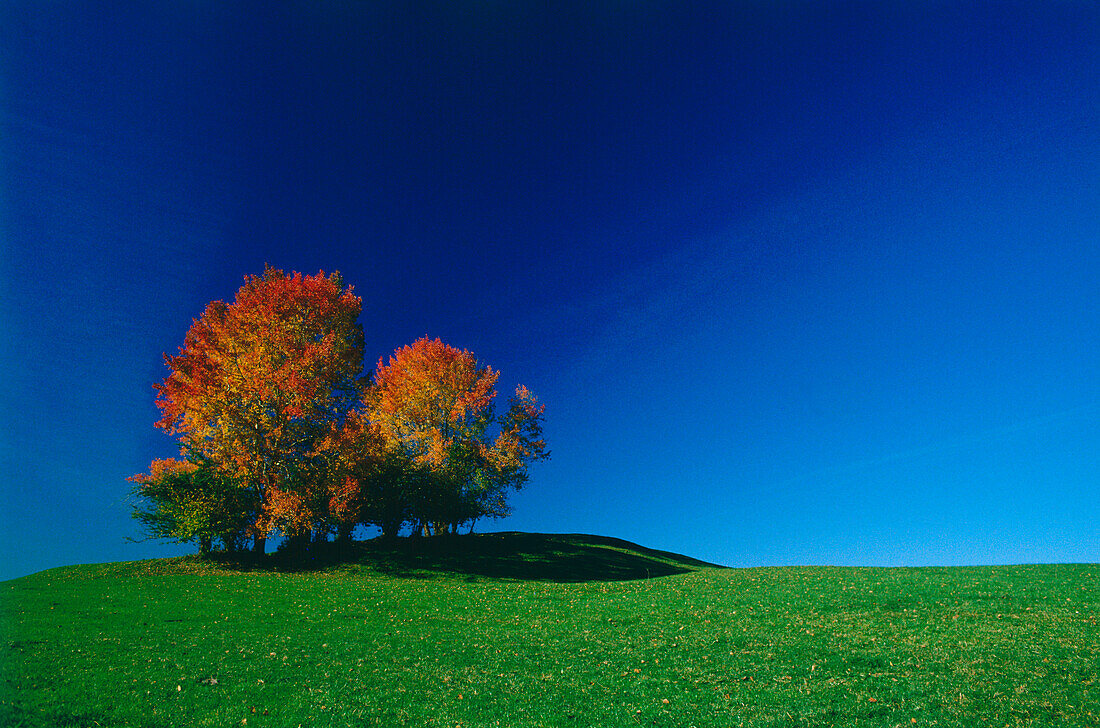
(15, 715)
(511, 555)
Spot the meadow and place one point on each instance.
(540, 630)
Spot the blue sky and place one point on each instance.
(800, 283)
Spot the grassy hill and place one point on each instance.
(546, 630)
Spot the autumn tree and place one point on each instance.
(432, 407)
(257, 385)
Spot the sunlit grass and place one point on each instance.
(400, 640)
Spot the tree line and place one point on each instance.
(281, 433)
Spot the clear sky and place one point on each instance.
(799, 282)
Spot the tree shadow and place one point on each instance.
(505, 555)
(18, 715)
(509, 555)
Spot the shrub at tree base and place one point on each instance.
(190, 501)
(278, 432)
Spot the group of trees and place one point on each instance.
(280, 433)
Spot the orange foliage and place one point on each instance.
(342, 502)
(430, 394)
(164, 468)
(520, 439)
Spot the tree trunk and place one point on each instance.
(205, 545)
(260, 546)
(390, 530)
(298, 544)
(234, 543)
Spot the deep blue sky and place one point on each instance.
(798, 282)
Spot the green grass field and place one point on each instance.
(530, 630)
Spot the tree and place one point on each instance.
(432, 407)
(257, 385)
(189, 501)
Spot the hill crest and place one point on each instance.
(504, 555)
